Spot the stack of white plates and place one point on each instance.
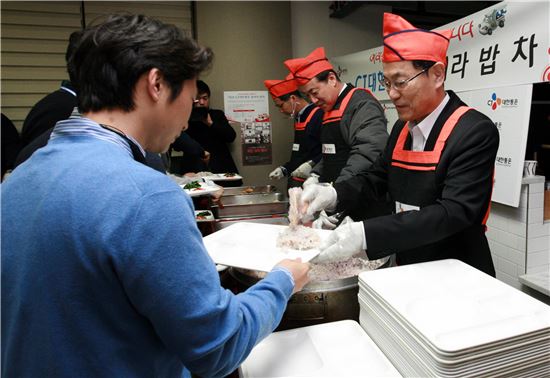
(447, 319)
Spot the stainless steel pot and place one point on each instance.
(318, 302)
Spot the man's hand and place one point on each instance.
(208, 120)
(318, 197)
(303, 171)
(277, 174)
(344, 242)
(313, 179)
(206, 157)
(299, 271)
(217, 195)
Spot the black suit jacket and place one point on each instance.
(449, 227)
(43, 116)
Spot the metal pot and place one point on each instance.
(318, 302)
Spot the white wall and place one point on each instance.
(519, 238)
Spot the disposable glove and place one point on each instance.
(342, 243)
(303, 171)
(313, 179)
(318, 197)
(329, 222)
(277, 174)
(325, 221)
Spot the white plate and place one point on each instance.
(337, 349)
(253, 246)
(222, 177)
(454, 306)
(208, 217)
(206, 188)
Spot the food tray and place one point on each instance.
(223, 177)
(246, 205)
(208, 216)
(245, 190)
(336, 349)
(206, 188)
(253, 246)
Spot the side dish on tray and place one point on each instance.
(192, 185)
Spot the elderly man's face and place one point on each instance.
(322, 93)
(417, 98)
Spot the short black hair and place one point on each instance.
(112, 56)
(286, 97)
(202, 87)
(323, 76)
(74, 40)
(423, 64)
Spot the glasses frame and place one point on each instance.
(402, 84)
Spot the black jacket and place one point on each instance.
(43, 116)
(451, 226)
(214, 139)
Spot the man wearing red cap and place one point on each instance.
(306, 149)
(437, 166)
(354, 126)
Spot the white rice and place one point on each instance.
(342, 269)
(298, 237)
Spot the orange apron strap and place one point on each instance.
(336, 114)
(426, 157)
(302, 125)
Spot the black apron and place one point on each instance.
(413, 185)
(299, 153)
(335, 150)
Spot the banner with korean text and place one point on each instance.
(503, 45)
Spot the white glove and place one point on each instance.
(277, 174)
(313, 179)
(317, 197)
(303, 171)
(342, 243)
(325, 221)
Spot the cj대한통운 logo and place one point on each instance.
(494, 102)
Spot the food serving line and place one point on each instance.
(442, 318)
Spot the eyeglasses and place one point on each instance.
(400, 85)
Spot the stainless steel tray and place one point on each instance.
(246, 205)
(279, 219)
(242, 190)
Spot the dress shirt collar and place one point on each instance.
(425, 126)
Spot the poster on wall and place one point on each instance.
(251, 110)
(508, 108)
(491, 51)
